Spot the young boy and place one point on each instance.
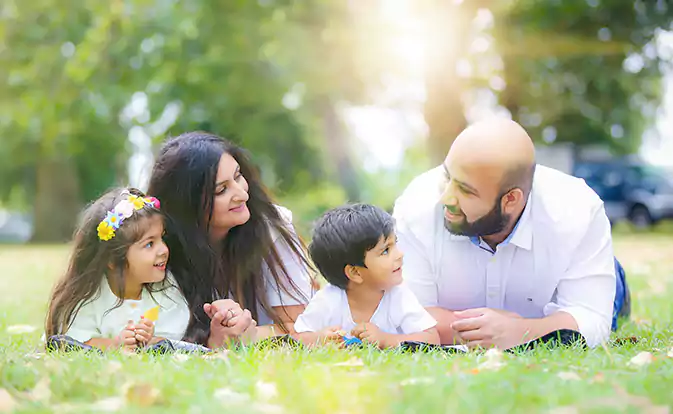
(355, 249)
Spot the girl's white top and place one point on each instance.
(98, 319)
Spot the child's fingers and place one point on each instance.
(208, 308)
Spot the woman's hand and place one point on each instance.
(229, 323)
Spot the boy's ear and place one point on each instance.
(353, 274)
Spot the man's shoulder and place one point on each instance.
(418, 202)
(562, 199)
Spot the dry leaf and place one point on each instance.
(7, 402)
(493, 360)
(223, 355)
(415, 381)
(266, 390)
(35, 355)
(353, 362)
(569, 376)
(228, 396)
(113, 367)
(42, 391)
(564, 410)
(268, 408)
(599, 378)
(108, 405)
(20, 329)
(643, 358)
(180, 357)
(142, 394)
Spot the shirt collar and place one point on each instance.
(520, 236)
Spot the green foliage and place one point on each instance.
(564, 65)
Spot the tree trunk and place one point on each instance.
(338, 150)
(448, 33)
(57, 200)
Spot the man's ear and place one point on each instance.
(353, 274)
(512, 199)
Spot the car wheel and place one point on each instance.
(640, 217)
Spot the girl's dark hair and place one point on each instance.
(92, 259)
(344, 235)
(183, 179)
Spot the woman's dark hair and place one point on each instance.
(344, 235)
(93, 259)
(183, 179)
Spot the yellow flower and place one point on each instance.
(105, 231)
(138, 202)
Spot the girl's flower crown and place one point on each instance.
(123, 210)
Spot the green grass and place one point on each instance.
(282, 380)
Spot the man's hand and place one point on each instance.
(370, 333)
(487, 328)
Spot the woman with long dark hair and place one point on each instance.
(234, 253)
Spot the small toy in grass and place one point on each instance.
(348, 339)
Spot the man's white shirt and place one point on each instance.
(558, 258)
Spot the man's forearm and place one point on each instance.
(444, 318)
(538, 327)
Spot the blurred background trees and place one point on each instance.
(91, 87)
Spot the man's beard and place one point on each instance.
(493, 222)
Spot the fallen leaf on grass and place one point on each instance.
(643, 358)
(108, 405)
(222, 355)
(228, 396)
(493, 360)
(415, 381)
(268, 408)
(113, 367)
(600, 378)
(42, 391)
(20, 329)
(7, 402)
(141, 394)
(569, 376)
(564, 410)
(353, 362)
(180, 357)
(266, 390)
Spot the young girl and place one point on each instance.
(116, 292)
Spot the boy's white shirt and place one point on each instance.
(399, 312)
(94, 321)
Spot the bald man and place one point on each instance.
(502, 251)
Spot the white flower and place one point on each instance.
(125, 208)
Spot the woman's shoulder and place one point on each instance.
(286, 216)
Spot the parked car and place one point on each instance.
(631, 189)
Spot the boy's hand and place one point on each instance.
(144, 331)
(330, 334)
(127, 337)
(370, 333)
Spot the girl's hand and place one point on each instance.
(144, 331)
(127, 337)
